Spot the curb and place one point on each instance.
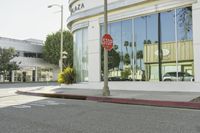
(64, 96)
(172, 104)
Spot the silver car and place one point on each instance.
(182, 76)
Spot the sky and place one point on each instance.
(24, 19)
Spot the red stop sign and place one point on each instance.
(107, 42)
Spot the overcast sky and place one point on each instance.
(23, 19)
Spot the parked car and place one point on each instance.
(119, 79)
(182, 76)
(114, 79)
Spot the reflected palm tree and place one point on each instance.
(149, 42)
(126, 44)
(140, 57)
(127, 60)
(115, 47)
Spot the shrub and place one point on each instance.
(67, 76)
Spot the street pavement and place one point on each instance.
(8, 97)
(32, 114)
(73, 116)
(22, 85)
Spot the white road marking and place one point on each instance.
(37, 104)
(22, 106)
(8, 98)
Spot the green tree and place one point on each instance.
(6, 63)
(51, 50)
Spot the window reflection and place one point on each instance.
(135, 52)
(168, 43)
(120, 57)
(140, 30)
(185, 43)
(146, 42)
(127, 50)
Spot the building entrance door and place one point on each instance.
(24, 76)
(33, 76)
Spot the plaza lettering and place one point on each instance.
(77, 7)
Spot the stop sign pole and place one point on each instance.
(106, 91)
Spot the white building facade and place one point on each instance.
(29, 58)
(142, 31)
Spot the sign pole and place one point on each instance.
(106, 91)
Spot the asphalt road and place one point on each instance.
(39, 115)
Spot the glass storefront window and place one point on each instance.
(185, 57)
(115, 57)
(120, 57)
(81, 54)
(146, 43)
(168, 43)
(137, 45)
(127, 50)
(140, 38)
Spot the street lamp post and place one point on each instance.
(61, 37)
(106, 91)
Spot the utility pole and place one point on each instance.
(106, 91)
(61, 41)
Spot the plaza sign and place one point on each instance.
(77, 7)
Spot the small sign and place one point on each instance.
(165, 52)
(107, 42)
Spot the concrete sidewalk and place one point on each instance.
(153, 98)
(147, 95)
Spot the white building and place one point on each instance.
(32, 67)
(137, 27)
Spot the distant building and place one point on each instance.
(32, 67)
